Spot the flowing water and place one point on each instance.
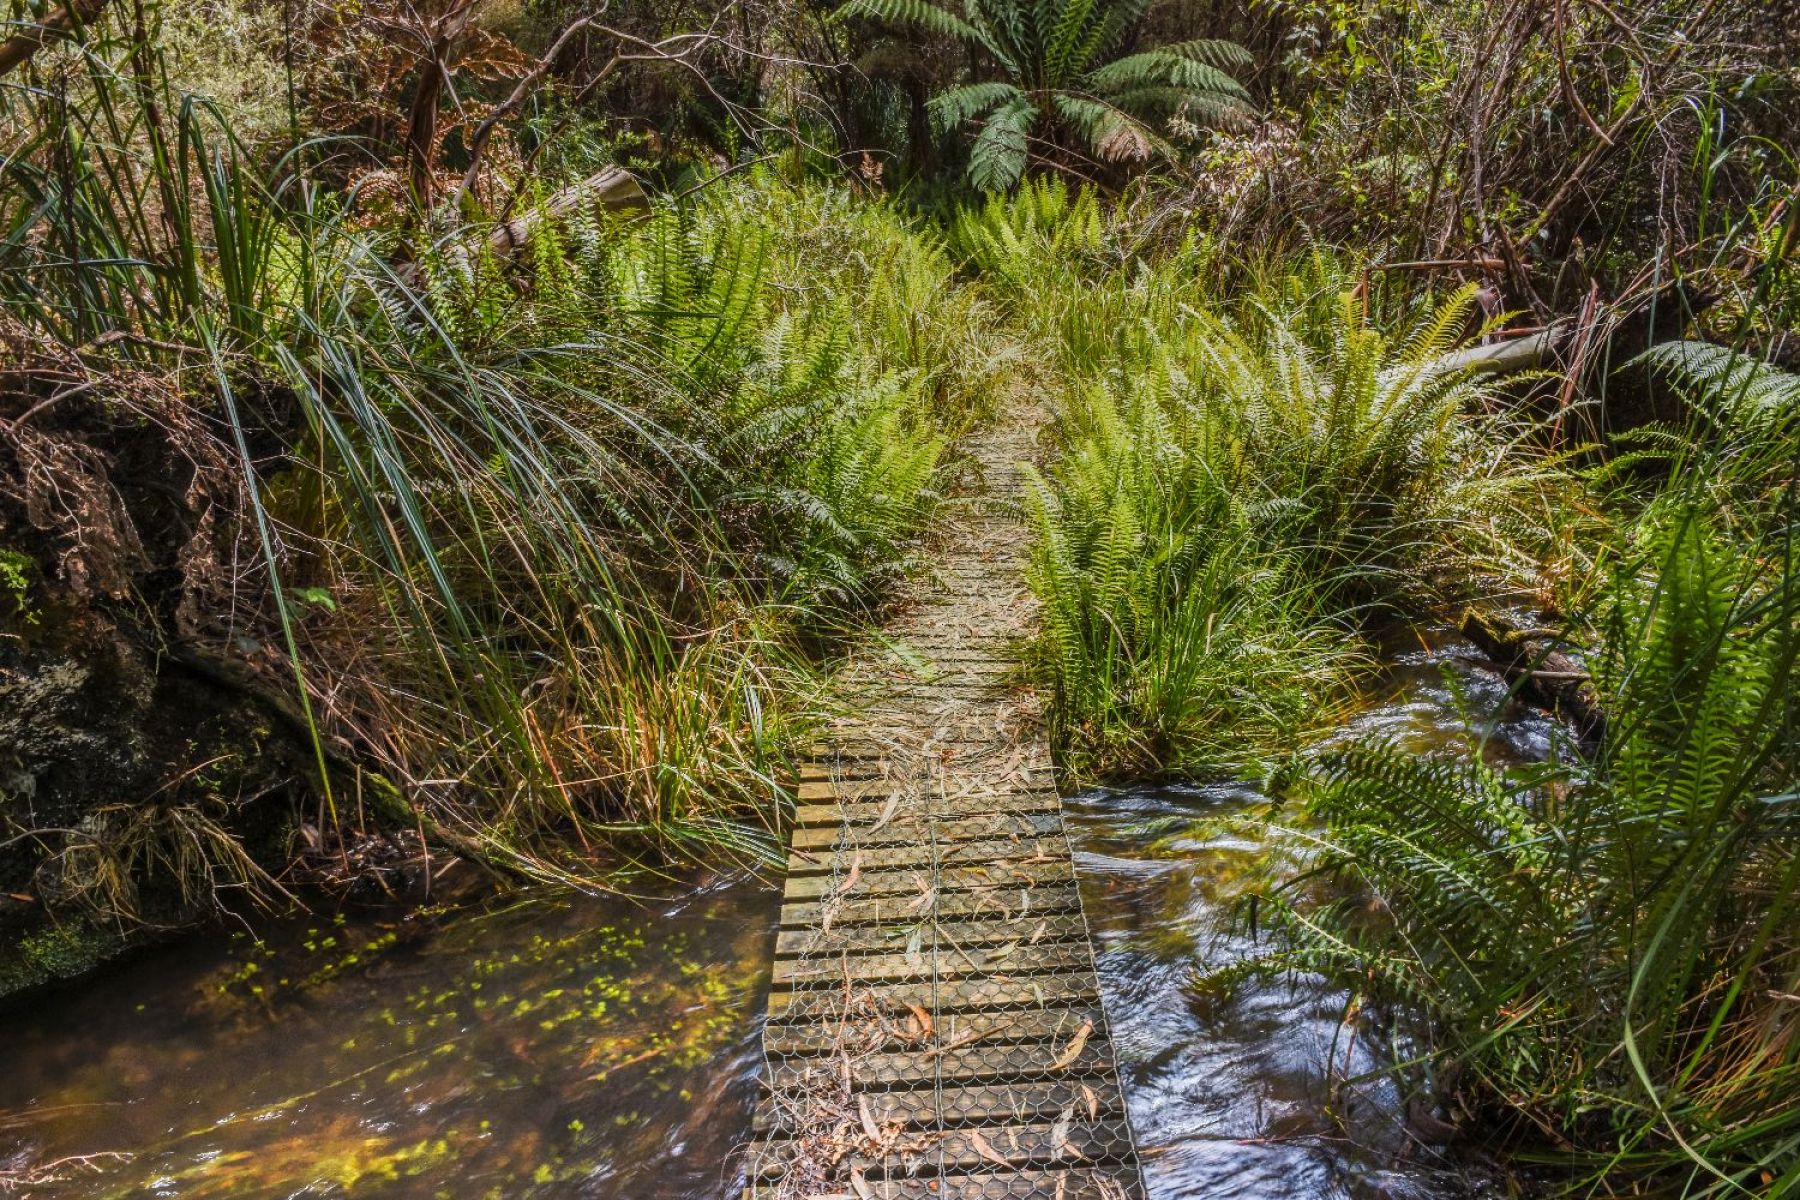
(597, 1047)
(1235, 1092)
(568, 1047)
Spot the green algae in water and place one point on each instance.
(540, 1049)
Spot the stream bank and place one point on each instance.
(607, 1048)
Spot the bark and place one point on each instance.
(1513, 356)
(612, 189)
(1599, 348)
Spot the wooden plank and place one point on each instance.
(973, 1103)
(954, 996)
(976, 1148)
(924, 849)
(1072, 1183)
(1038, 822)
(888, 938)
(1005, 903)
(1006, 798)
(948, 962)
(1004, 873)
(860, 746)
(950, 784)
(1055, 1025)
(972, 1063)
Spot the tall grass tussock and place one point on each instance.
(547, 542)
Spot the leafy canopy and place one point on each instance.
(1060, 65)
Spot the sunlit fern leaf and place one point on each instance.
(1162, 68)
(1739, 385)
(997, 159)
(931, 17)
(949, 109)
(1216, 52)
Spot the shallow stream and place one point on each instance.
(568, 1047)
(604, 1048)
(1239, 1093)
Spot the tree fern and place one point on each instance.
(997, 159)
(951, 108)
(1057, 60)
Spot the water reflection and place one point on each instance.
(1235, 1093)
(555, 1047)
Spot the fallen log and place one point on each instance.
(1512, 357)
(612, 189)
(1601, 350)
(1545, 676)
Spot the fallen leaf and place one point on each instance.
(863, 1190)
(868, 1119)
(1076, 1045)
(986, 1149)
(887, 813)
(1093, 1102)
(924, 1020)
(1059, 1137)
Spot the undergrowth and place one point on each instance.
(547, 539)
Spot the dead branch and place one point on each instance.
(17, 50)
(1544, 675)
(478, 140)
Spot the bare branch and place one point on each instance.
(17, 50)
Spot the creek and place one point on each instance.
(606, 1048)
(1242, 1091)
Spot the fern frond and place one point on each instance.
(1216, 52)
(997, 159)
(950, 109)
(919, 13)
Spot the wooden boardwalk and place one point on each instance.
(935, 1028)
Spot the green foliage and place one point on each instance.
(1172, 637)
(16, 572)
(1233, 490)
(1605, 943)
(1061, 64)
(539, 535)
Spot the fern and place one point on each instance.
(951, 108)
(997, 159)
(1057, 57)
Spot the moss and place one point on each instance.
(16, 572)
(54, 952)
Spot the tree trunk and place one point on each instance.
(612, 189)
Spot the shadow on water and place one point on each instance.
(552, 1047)
(1239, 1092)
